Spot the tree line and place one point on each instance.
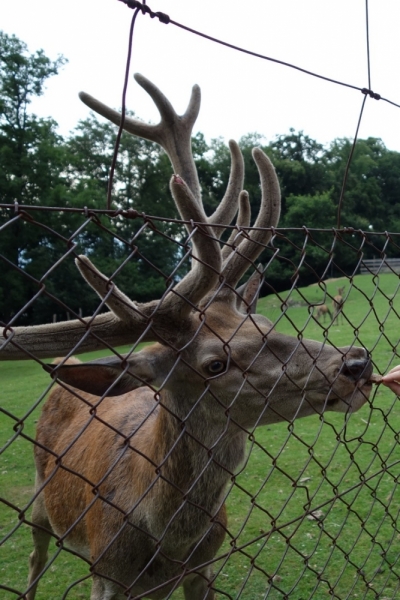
(39, 167)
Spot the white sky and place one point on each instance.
(240, 94)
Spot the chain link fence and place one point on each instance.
(182, 475)
(313, 507)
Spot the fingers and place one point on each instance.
(393, 385)
(395, 370)
(392, 380)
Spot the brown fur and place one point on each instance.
(323, 311)
(138, 480)
(337, 305)
(83, 468)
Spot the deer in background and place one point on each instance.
(134, 453)
(337, 304)
(323, 311)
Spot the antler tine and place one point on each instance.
(247, 294)
(173, 133)
(207, 261)
(122, 307)
(166, 110)
(251, 247)
(243, 220)
(59, 339)
(227, 208)
(121, 326)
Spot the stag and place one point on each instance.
(134, 452)
(337, 305)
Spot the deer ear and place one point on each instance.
(109, 376)
(247, 294)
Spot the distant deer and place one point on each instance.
(337, 304)
(323, 311)
(132, 471)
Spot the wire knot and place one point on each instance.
(371, 94)
(162, 17)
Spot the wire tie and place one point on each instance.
(162, 17)
(371, 94)
(131, 213)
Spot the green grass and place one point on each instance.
(346, 469)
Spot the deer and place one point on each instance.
(337, 304)
(135, 452)
(323, 311)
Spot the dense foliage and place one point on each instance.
(38, 167)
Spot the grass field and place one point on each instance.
(344, 471)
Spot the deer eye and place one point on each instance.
(216, 366)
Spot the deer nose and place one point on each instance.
(356, 369)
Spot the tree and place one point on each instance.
(362, 193)
(25, 141)
(300, 163)
(389, 181)
(39, 167)
(31, 161)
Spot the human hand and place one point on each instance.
(392, 380)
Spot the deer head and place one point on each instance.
(204, 322)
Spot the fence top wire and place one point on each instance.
(163, 18)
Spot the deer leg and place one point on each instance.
(41, 538)
(102, 589)
(196, 588)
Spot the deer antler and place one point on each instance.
(238, 260)
(173, 134)
(128, 321)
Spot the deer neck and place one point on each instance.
(201, 428)
(197, 458)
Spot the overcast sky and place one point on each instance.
(240, 94)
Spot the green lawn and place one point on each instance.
(345, 472)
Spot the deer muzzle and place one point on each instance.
(357, 370)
